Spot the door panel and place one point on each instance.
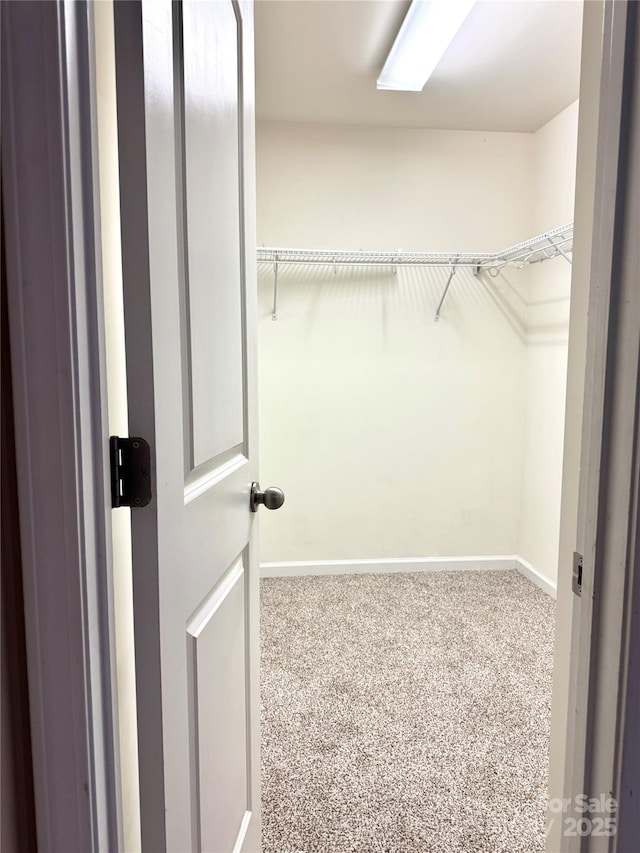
(209, 127)
(185, 115)
(217, 656)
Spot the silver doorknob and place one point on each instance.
(272, 497)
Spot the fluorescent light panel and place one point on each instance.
(426, 32)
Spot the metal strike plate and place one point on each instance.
(576, 578)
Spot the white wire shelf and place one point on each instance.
(552, 244)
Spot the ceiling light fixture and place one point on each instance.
(426, 32)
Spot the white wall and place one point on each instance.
(554, 171)
(335, 186)
(391, 435)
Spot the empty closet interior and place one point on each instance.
(414, 277)
(413, 363)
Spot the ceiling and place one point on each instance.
(513, 65)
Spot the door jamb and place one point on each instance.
(608, 492)
(50, 190)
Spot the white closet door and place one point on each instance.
(185, 111)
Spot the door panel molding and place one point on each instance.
(217, 635)
(208, 475)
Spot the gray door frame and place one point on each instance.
(50, 191)
(604, 679)
(52, 233)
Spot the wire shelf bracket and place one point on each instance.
(452, 272)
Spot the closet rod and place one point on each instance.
(552, 244)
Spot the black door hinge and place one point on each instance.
(576, 579)
(130, 471)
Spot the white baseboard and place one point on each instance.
(399, 564)
(528, 571)
(408, 564)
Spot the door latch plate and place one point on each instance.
(576, 578)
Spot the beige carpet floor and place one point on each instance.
(405, 712)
